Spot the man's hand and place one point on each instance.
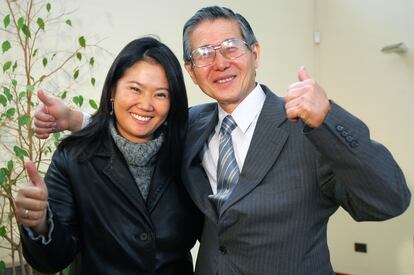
(52, 115)
(306, 100)
(31, 202)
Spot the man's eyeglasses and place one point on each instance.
(230, 48)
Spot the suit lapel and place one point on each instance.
(120, 177)
(197, 182)
(267, 142)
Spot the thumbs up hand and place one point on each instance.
(31, 201)
(52, 115)
(306, 100)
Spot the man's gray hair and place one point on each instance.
(211, 13)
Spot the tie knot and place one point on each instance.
(228, 124)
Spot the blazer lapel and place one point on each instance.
(158, 185)
(197, 183)
(120, 176)
(267, 142)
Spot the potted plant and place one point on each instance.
(29, 60)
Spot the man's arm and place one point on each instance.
(356, 172)
(52, 115)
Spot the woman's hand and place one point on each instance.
(31, 202)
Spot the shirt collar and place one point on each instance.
(247, 110)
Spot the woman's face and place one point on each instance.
(141, 101)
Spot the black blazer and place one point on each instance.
(100, 215)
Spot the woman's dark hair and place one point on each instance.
(89, 139)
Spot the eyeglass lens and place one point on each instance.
(230, 49)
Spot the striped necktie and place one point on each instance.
(227, 169)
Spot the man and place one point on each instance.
(269, 178)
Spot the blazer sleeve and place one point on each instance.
(65, 244)
(356, 172)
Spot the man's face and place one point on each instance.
(228, 81)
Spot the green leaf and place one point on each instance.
(19, 152)
(41, 78)
(2, 179)
(53, 56)
(2, 231)
(6, 66)
(79, 56)
(44, 62)
(41, 23)
(56, 136)
(6, 20)
(93, 104)
(10, 112)
(26, 31)
(30, 88)
(64, 94)
(2, 267)
(3, 100)
(78, 100)
(93, 81)
(7, 93)
(48, 7)
(5, 46)
(24, 120)
(76, 74)
(22, 95)
(14, 83)
(92, 61)
(20, 23)
(66, 271)
(14, 66)
(82, 42)
(34, 53)
(10, 165)
(68, 22)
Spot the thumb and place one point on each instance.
(33, 174)
(303, 74)
(43, 97)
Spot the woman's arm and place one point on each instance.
(53, 115)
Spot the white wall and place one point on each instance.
(379, 88)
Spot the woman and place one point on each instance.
(116, 202)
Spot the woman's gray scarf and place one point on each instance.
(141, 157)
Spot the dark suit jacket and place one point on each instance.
(292, 181)
(99, 211)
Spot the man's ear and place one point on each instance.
(256, 54)
(191, 72)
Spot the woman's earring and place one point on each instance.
(112, 107)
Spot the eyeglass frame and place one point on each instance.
(216, 47)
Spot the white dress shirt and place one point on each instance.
(245, 115)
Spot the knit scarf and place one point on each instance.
(140, 157)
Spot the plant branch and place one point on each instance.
(57, 68)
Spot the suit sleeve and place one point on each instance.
(64, 244)
(356, 172)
